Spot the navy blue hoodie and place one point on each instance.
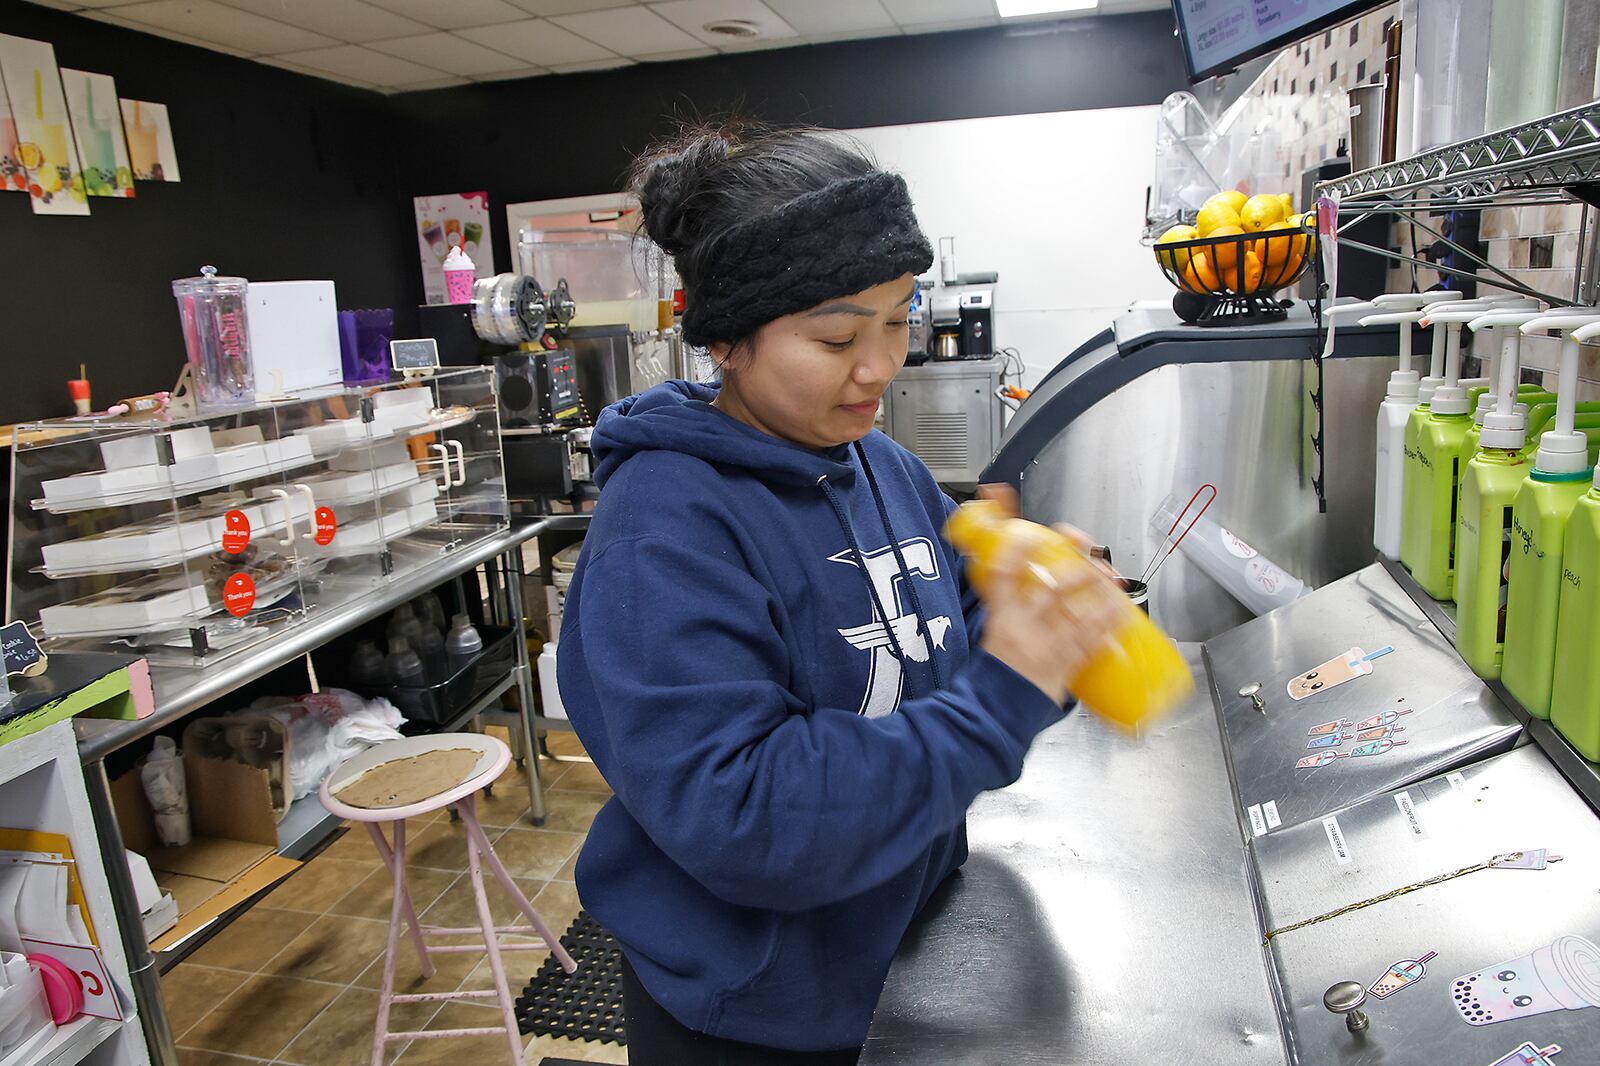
(791, 776)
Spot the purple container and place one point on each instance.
(364, 345)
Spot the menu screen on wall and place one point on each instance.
(1218, 35)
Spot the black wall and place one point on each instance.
(286, 176)
(575, 134)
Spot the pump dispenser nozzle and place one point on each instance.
(1564, 449)
(1450, 398)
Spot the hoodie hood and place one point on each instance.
(677, 416)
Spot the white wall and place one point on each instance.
(1054, 202)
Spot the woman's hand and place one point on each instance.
(1047, 629)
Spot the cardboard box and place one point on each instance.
(234, 850)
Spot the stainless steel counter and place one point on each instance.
(1105, 915)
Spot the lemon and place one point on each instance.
(1177, 258)
(1260, 212)
(50, 179)
(1288, 203)
(1232, 197)
(30, 155)
(1215, 215)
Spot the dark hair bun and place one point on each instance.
(669, 182)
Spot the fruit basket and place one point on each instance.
(1231, 263)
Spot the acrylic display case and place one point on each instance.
(188, 540)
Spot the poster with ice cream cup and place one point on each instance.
(45, 147)
(149, 141)
(97, 127)
(448, 221)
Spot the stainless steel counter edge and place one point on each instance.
(198, 687)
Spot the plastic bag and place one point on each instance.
(164, 786)
(326, 728)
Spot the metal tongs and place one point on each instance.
(1155, 564)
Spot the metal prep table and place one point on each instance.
(181, 691)
(1105, 915)
(1126, 902)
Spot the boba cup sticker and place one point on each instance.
(1529, 1054)
(1562, 975)
(1380, 732)
(239, 595)
(1402, 974)
(1374, 747)
(1335, 672)
(235, 532)
(327, 526)
(1321, 758)
(1331, 740)
(1325, 728)
(1381, 720)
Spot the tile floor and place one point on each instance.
(294, 981)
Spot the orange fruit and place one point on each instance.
(1200, 268)
(1224, 254)
(1282, 246)
(1252, 273)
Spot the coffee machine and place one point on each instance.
(961, 323)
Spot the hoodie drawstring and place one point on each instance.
(861, 564)
(900, 561)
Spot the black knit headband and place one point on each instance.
(847, 236)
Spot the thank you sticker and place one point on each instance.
(327, 526)
(235, 532)
(239, 595)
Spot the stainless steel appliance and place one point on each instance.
(977, 324)
(947, 413)
(1152, 406)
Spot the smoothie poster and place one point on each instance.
(442, 221)
(97, 127)
(149, 140)
(12, 177)
(44, 140)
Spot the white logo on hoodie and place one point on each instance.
(885, 678)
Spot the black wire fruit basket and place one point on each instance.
(1232, 278)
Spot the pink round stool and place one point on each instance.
(491, 761)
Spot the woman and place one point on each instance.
(791, 773)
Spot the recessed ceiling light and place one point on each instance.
(1010, 9)
(738, 27)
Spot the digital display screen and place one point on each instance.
(1218, 35)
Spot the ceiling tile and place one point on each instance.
(512, 75)
(598, 64)
(210, 21)
(569, 7)
(363, 64)
(688, 53)
(354, 21)
(445, 51)
(816, 17)
(853, 35)
(298, 68)
(538, 41)
(692, 16)
(139, 27)
(633, 31)
(437, 83)
(454, 14)
(918, 12)
(953, 24)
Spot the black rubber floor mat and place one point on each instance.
(586, 1004)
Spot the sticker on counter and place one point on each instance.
(1335, 672)
(1402, 974)
(1270, 810)
(1382, 720)
(1413, 820)
(1457, 782)
(1529, 1055)
(1258, 820)
(1380, 732)
(1561, 975)
(327, 526)
(1321, 758)
(239, 595)
(1324, 728)
(1375, 747)
(1534, 859)
(235, 532)
(1332, 740)
(1336, 840)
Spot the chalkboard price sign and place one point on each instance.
(421, 354)
(22, 652)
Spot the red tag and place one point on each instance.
(235, 532)
(239, 595)
(327, 526)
